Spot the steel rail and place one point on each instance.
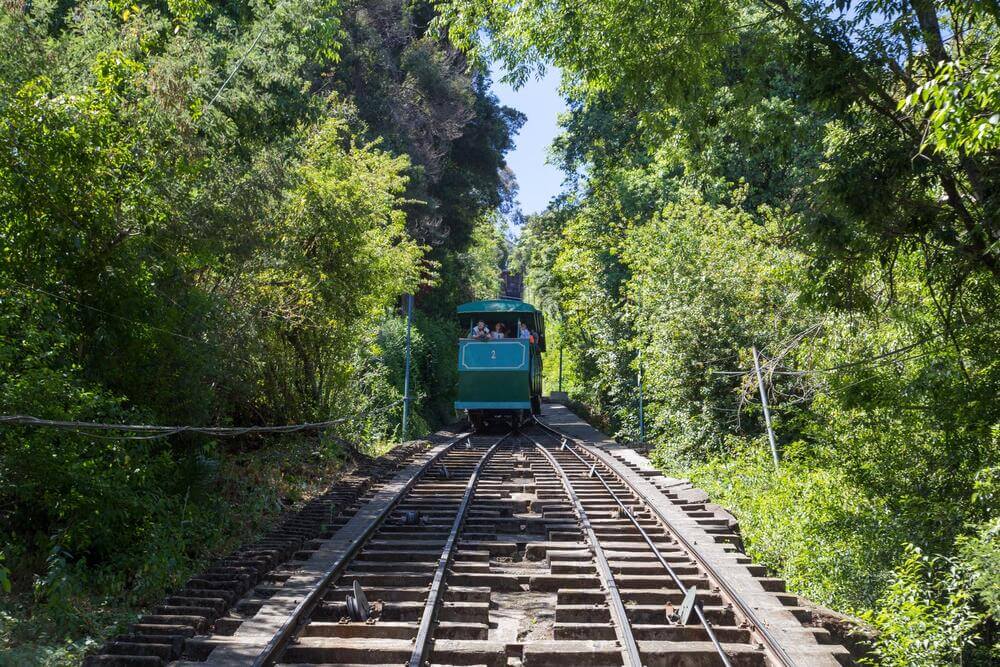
(656, 552)
(302, 610)
(623, 628)
(423, 639)
(773, 645)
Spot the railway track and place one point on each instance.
(529, 548)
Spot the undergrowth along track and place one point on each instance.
(213, 601)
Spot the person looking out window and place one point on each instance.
(480, 331)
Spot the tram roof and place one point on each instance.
(497, 306)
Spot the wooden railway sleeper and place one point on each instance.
(623, 628)
(437, 585)
(771, 643)
(690, 594)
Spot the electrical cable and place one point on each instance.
(153, 432)
(39, 290)
(830, 369)
(239, 63)
(862, 362)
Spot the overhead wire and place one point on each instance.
(862, 362)
(235, 69)
(876, 359)
(152, 432)
(95, 309)
(851, 364)
(239, 63)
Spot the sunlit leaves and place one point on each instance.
(981, 551)
(484, 255)
(185, 11)
(961, 105)
(662, 49)
(342, 241)
(114, 70)
(926, 615)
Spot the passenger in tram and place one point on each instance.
(480, 331)
(523, 331)
(499, 332)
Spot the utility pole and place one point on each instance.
(560, 360)
(406, 374)
(562, 336)
(763, 400)
(642, 418)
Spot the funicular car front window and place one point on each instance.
(493, 329)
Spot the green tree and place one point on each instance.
(818, 180)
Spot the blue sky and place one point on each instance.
(539, 100)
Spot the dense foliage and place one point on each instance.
(209, 213)
(819, 180)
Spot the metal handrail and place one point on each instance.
(630, 649)
(649, 541)
(437, 585)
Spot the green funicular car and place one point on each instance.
(500, 377)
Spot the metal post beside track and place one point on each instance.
(560, 361)
(406, 373)
(767, 411)
(642, 416)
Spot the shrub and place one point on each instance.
(926, 615)
(827, 538)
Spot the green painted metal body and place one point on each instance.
(500, 376)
